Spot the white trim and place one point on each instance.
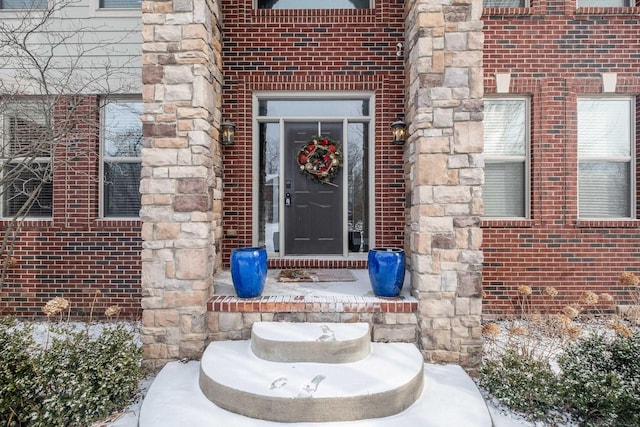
(631, 159)
(503, 82)
(512, 159)
(101, 208)
(609, 81)
(24, 104)
(368, 120)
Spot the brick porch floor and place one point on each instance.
(316, 297)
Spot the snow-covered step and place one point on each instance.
(384, 383)
(450, 398)
(311, 342)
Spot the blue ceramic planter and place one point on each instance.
(249, 271)
(386, 271)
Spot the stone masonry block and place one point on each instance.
(164, 33)
(248, 319)
(166, 318)
(452, 194)
(445, 357)
(437, 308)
(192, 350)
(323, 317)
(436, 225)
(468, 137)
(192, 263)
(431, 169)
(439, 339)
(426, 282)
(154, 351)
(167, 231)
(230, 322)
(184, 298)
(394, 333)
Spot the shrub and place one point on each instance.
(18, 386)
(600, 380)
(521, 382)
(74, 381)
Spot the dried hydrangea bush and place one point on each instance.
(545, 366)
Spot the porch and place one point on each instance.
(347, 301)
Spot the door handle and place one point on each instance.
(287, 199)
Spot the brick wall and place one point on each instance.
(554, 54)
(313, 50)
(89, 261)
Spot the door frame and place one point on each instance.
(255, 163)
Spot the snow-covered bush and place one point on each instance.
(600, 380)
(72, 380)
(18, 385)
(521, 382)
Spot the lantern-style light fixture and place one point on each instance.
(399, 129)
(228, 132)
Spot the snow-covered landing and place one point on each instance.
(449, 399)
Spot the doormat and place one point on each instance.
(320, 275)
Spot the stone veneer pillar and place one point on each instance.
(444, 168)
(181, 181)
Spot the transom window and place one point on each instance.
(605, 157)
(506, 148)
(121, 145)
(314, 4)
(26, 171)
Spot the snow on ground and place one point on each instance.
(128, 417)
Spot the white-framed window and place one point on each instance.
(120, 4)
(23, 4)
(26, 169)
(121, 161)
(505, 3)
(606, 157)
(506, 151)
(604, 3)
(314, 4)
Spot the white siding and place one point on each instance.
(89, 50)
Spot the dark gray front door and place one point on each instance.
(313, 220)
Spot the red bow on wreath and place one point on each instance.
(320, 158)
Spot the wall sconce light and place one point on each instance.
(228, 132)
(399, 129)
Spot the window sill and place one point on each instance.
(28, 222)
(312, 15)
(607, 10)
(608, 223)
(119, 13)
(119, 222)
(507, 223)
(507, 11)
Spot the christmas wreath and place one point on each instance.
(320, 158)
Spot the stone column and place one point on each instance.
(444, 170)
(181, 182)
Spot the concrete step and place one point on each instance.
(384, 383)
(449, 399)
(311, 342)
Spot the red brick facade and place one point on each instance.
(556, 53)
(92, 262)
(313, 50)
(553, 52)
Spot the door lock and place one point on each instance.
(287, 199)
